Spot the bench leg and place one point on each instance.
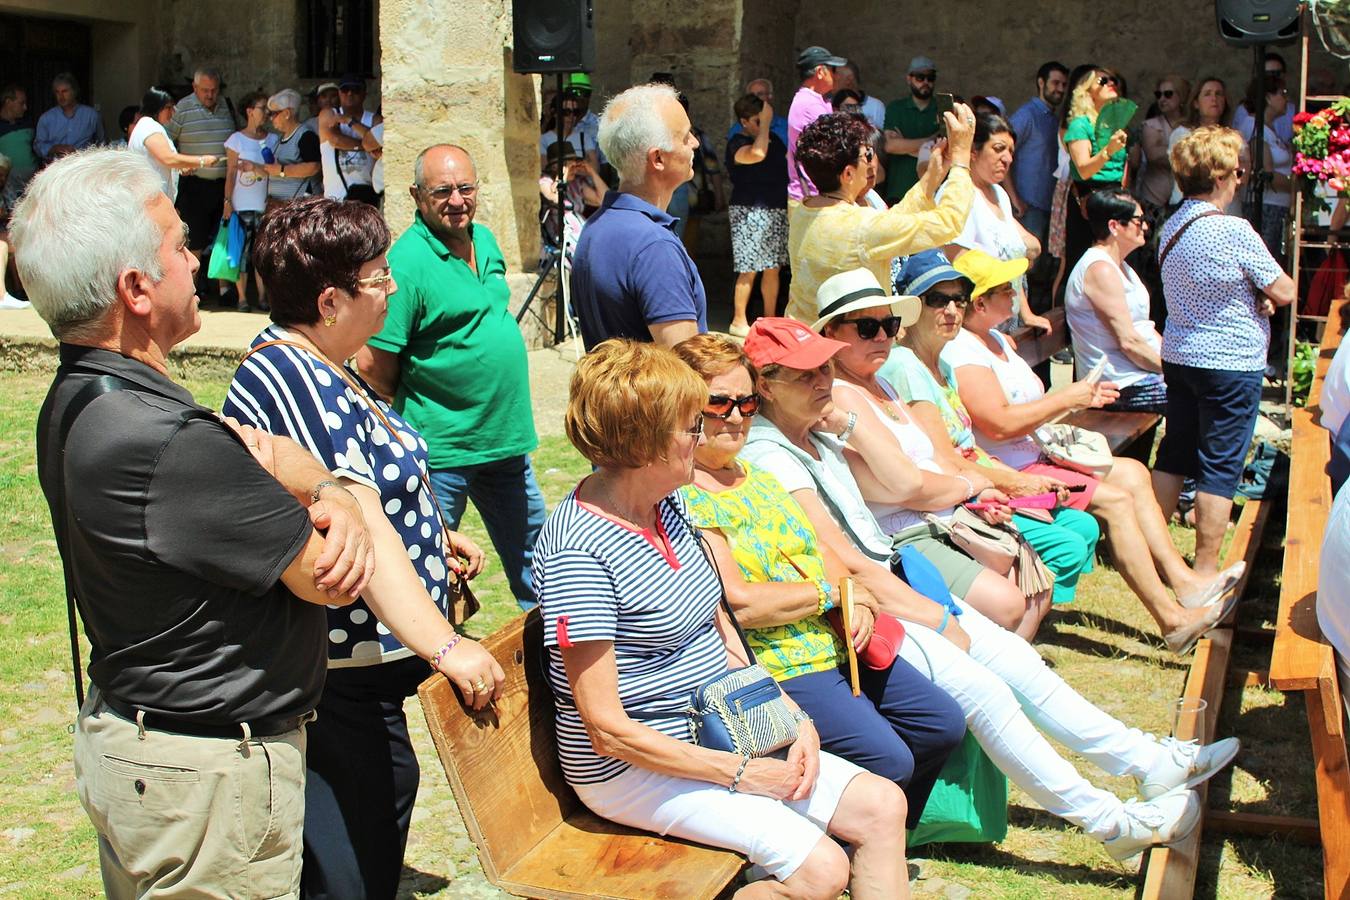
(1333, 793)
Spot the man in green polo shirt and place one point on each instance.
(452, 358)
(910, 123)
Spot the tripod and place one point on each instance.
(556, 254)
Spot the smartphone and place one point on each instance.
(944, 103)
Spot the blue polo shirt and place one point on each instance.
(1037, 156)
(630, 271)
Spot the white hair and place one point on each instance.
(754, 81)
(208, 72)
(286, 98)
(80, 224)
(631, 125)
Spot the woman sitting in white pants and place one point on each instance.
(1000, 682)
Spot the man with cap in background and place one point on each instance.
(910, 122)
(347, 169)
(816, 67)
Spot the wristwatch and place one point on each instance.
(848, 429)
(318, 489)
(281, 171)
(800, 716)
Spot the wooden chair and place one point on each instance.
(534, 837)
(1301, 659)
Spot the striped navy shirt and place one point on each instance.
(655, 597)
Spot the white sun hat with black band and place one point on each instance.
(859, 289)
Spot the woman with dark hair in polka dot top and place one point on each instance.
(324, 268)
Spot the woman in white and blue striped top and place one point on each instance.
(633, 625)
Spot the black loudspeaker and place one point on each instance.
(553, 36)
(1243, 23)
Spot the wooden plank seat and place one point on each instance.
(1301, 659)
(534, 837)
(1120, 428)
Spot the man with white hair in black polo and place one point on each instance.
(631, 276)
(190, 547)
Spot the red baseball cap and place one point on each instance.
(788, 342)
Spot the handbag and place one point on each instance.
(1079, 449)
(461, 604)
(221, 267)
(969, 802)
(999, 548)
(888, 632)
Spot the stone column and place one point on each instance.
(446, 78)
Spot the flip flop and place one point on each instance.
(1216, 588)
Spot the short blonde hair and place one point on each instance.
(1204, 156)
(627, 399)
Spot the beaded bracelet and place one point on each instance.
(745, 761)
(445, 648)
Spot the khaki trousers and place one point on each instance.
(183, 816)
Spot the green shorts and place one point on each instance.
(956, 568)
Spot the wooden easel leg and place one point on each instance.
(1333, 795)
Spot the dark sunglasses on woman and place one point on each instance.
(869, 326)
(939, 300)
(719, 406)
(1104, 80)
(1158, 95)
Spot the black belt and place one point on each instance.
(268, 725)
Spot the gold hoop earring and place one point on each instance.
(330, 321)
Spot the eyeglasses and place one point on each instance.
(929, 77)
(869, 326)
(719, 406)
(380, 279)
(1104, 80)
(849, 107)
(939, 300)
(1169, 94)
(696, 430)
(273, 113)
(446, 191)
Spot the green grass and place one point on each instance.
(1104, 645)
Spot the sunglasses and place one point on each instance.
(849, 107)
(1104, 80)
(1239, 173)
(571, 111)
(1133, 219)
(930, 77)
(939, 300)
(1169, 94)
(719, 406)
(868, 326)
(696, 430)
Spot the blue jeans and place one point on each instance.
(507, 496)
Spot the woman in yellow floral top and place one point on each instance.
(778, 579)
(829, 233)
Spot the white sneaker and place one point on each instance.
(1184, 764)
(1163, 821)
(9, 301)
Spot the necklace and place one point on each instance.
(603, 491)
(834, 196)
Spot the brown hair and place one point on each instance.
(308, 245)
(709, 356)
(829, 145)
(626, 400)
(1204, 156)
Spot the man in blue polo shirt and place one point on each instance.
(631, 276)
(1033, 167)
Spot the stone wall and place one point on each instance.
(256, 46)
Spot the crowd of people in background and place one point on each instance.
(882, 432)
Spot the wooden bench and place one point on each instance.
(1120, 428)
(534, 837)
(1301, 659)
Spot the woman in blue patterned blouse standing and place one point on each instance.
(1222, 287)
(324, 269)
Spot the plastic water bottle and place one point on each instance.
(268, 156)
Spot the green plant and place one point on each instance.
(1305, 363)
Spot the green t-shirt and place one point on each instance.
(1082, 128)
(464, 379)
(902, 172)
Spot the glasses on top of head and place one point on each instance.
(1169, 94)
(446, 191)
(939, 300)
(719, 406)
(869, 326)
(929, 77)
(696, 430)
(380, 279)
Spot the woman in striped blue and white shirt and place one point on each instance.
(633, 625)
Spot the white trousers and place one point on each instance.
(1007, 693)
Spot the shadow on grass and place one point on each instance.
(992, 856)
(416, 883)
(1057, 635)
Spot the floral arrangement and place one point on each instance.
(1322, 142)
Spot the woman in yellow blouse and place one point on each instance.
(829, 233)
(779, 580)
